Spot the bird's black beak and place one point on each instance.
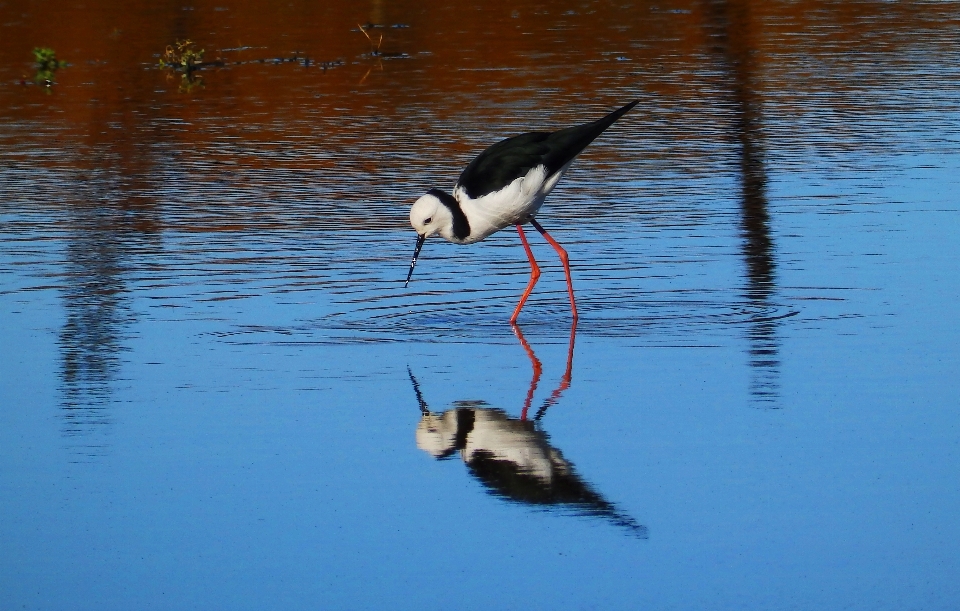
(416, 253)
(424, 408)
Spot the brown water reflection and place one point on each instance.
(468, 61)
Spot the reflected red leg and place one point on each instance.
(537, 370)
(563, 259)
(565, 380)
(534, 273)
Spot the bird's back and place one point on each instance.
(509, 159)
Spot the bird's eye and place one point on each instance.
(427, 220)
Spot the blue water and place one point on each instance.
(210, 402)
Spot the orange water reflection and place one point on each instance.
(469, 63)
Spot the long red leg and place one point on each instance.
(563, 259)
(534, 274)
(537, 371)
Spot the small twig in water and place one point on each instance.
(374, 51)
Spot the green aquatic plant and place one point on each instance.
(185, 57)
(190, 81)
(47, 59)
(46, 64)
(182, 56)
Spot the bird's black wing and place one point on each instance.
(504, 162)
(509, 159)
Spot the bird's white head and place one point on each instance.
(429, 216)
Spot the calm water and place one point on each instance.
(216, 393)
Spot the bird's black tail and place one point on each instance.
(610, 119)
(570, 142)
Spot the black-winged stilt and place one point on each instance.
(506, 185)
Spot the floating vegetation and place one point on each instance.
(394, 26)
(47, 65)
(190, 81)
(295, 58)
(185, 58)
(182, 56)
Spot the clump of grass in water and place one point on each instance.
(47, 65)
(183, 56)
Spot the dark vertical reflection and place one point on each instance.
(97, 310)
(105, 230)
(730, 29)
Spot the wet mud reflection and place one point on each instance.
(730, 28)
(512, 456)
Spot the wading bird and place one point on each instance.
(506, 185)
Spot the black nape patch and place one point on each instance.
(461, 227)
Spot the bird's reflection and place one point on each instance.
(512, 457)
(731, 30)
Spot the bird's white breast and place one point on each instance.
(514, 204)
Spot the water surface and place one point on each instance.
(216, 391)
